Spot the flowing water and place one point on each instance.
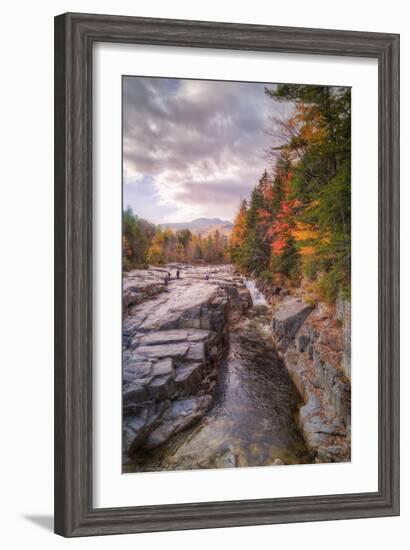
(253, 420)
(258, 299)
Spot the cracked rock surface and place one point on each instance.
(174, 338)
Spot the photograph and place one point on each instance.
(226, 273)
(236, 267)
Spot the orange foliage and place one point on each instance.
(264, 215)
(304, 232)
(308, 123)
(238, 234)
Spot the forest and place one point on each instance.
(145, 243)
(296, 223)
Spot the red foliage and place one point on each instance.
(264, 215)
(281, 229)
(278, 246)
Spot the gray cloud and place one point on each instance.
(201, 143)
(216, 193)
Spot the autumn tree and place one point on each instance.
(239, 232)
(184, 246)
(255, 251)
(136, 236)
(158, 249)
(320, 145)
(298, 219)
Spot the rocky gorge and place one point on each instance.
(214, 376)
(311, 342)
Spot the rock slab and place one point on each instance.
(314, 346)
(174, 338)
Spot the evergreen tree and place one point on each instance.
(238, 235)
(298, 222)
(136, 234)
(321, 149)
(256, 252)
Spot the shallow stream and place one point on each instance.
(253, 420)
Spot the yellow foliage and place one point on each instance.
(309, 123)
(238, 234)
(303, 232)
(307, 251)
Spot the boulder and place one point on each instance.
(196, 352)
(135, 391)
(287, 319)
(188, 378)
(225, 459)
(137, 428)
(140, 285)
(133, 370)
(181, 415)
(163, 367)
(162, 387)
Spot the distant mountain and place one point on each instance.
(202, 226)
(199, 223)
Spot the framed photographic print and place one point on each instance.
(226, 274)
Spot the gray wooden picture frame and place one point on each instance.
(75, 35)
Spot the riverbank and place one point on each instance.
(205, 385)
(313, 338)
(175, 336)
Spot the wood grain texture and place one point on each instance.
(74, 38)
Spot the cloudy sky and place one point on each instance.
(193, 148)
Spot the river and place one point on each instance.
(252, 422)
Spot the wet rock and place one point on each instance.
(138, 364)
(162, 387)
(138, 288)
(304, 339)
(181, 415)
(240, 297)
(332, 453)
(163, 367)
(196, 352)
(313, 358)
(287, 319)
(133, 430)
(133, 370)
(199, 335)
(253, 422)
(188, 379)
(226, 459)
(173, 340)
(341, 400)
(343, 314)
(178, 349)
(319, 421)
(164, 337)
(136, 391)
(136, 429)
(177, 308)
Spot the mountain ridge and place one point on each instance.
(197, 223)
(202, 226)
